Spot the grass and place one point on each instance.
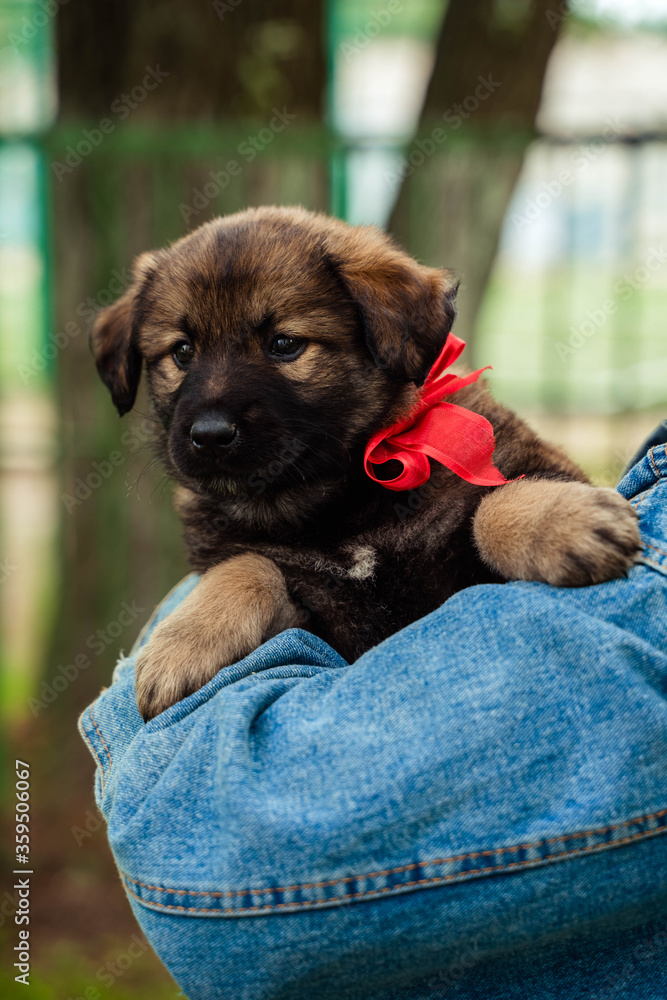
(65, 971)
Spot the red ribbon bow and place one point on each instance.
(461, 440)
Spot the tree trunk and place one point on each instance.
(483, 95)
(224, 58)
(120, 541)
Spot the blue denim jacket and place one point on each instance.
(476, 808)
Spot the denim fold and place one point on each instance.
(477, 807)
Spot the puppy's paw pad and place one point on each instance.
(594, 536)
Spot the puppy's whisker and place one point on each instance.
(142, 451)
(161, 485)
(146, 416)
(149, 467)
(150, 464)
(316, 477)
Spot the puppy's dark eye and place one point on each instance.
(183, 354)
(287, 348)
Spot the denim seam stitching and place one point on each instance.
(92, 719)
(435, 880)
(423, 864)
(95, 754)
(649, 489)
(652, 461)
(644, 496)
(652, 562)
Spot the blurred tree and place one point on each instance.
(217, 61)
(120, 540)
(224, 57)
(484, 94)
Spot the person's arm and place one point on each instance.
(482, 797)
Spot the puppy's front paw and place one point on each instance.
(236, 606)
(565, 534)
(176, 661)
(593, 536)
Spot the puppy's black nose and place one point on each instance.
(213, 432)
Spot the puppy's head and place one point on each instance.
(273, 337)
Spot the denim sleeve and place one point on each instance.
(476, 808)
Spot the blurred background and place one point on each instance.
(523, 143)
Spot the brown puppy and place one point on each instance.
(276, 342)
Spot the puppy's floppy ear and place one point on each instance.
(408, 309)
(113, 339)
